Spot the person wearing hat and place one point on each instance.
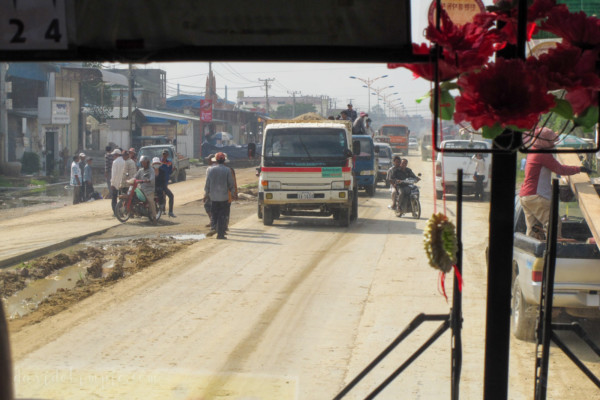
(88, 187)
(129, 170)
(219, 183)
(162, 180)
(133, 155)
(207, 203)
(167, 169)
(116, 176)
(351, 113)
(233, 195)
(147, 176)
(76, 180)
(359, 127)
(536, 191)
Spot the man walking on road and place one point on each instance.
(76, 180)
(219, 182)
(88, 186)
(118, 166)
(108, 160)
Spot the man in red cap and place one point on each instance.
(219, 183)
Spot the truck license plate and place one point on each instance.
(306, 195)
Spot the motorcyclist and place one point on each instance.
(396, 176)
(146, 175)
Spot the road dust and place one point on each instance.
(90, 269)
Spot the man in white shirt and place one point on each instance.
(118, 166)
(76, 180)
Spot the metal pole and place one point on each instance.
(3, 114)
(456, 313)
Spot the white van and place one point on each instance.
(447, 164)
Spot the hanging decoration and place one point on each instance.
(494, 94)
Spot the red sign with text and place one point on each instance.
(206, 110)
(459, 11)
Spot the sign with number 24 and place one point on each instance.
(33, 25)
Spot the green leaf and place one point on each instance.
(449, 85)
(563, 108)
(425, 96)
(447, 104)
(490, 132)
(588, 119)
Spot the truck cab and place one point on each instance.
(307, 170)
(366, 165)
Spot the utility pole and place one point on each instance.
(293, 93)
(129, 104)
(266, 81)
(3, 114)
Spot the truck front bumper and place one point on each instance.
(304, 199)
(568, 297)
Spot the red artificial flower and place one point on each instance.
(470, 45)
(575, 28)
(507, 93)
(447, 71)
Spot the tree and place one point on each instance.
(286, 110)
(96, 95)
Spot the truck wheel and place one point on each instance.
(275, 212)
(354, 210)
(344, 217)
(371, 190)
(182, 176)
(439, 194)
(267, 216)
(174, 176)
(260, 212)
(523, 315)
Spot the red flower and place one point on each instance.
(470, 45)
(575, 28)
(447, 71)
(507, 93)
(573, 69)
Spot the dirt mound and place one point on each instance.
(311, 116)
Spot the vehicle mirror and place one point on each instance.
(347, 153)
(356, 147)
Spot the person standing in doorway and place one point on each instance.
(219, 182)
(76, 180)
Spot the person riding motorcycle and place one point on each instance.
(396, 176)
(146, 175)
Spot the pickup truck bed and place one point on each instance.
(577, 278)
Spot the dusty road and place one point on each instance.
(291, 311)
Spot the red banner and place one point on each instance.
(206, 110)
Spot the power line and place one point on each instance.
(266, 81)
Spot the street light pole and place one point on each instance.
(368, 82)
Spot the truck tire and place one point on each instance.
(6, 378)
(174, 176)
(182, 176)
(267, 216)
(371, 190)
(523, 315)
(344, 217)
(354, 209)
(260, 212)
(439, 194)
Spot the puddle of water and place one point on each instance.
(188, 236)
(27, 300)
(12, 198)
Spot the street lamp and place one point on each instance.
(368, 82)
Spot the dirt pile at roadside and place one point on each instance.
(104, 264)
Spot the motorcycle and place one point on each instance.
(414, 205)
(134, 203)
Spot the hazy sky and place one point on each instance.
(314, 79)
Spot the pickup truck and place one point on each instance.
(180, 163)
(577, 278)
(307, 170)
(448, 163)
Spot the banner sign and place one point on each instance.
(206, 110)
(459, 11)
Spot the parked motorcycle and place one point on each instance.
(414, 204)
(134, 204)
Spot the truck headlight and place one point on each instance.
(367, 172)
(274, 185)
(337, 185)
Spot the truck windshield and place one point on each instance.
(366, 148)
(394, 131)
(472, 146)
(153, 152)
(305, 147)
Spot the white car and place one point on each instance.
(447, 164)
(413, 143)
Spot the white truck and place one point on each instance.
(577, 276)
(447, 163)
(307, 170)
